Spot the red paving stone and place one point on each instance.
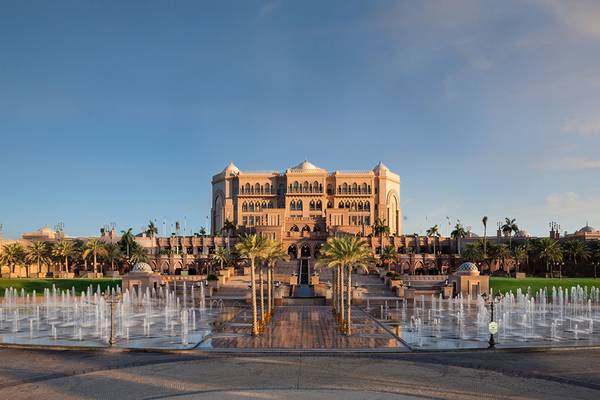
(305, 327)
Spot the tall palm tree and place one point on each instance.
(64, 249)
(473, 252)
(127, 240)
(37, 253)
(152, 229)
(434, 232)
(274, 254)
(229, 229)
(12, 254)
(113, 254)
(137, 254)
(458, 233)
(484, 221)
(252, 247)
(509, 228)
(548, 250)
(96, 248)
(576, 250)
(346, 252)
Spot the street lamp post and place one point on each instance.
(493, 326)
(113, 299)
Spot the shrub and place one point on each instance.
(212, 277)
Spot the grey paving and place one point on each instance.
(28, 374)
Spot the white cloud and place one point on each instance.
(572, 204)
(569, 164)
(583, 127)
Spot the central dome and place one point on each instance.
(142, 267)
(587, 229)
(305, 165)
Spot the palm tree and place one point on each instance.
(576, 250)
(152, 230)
(548, 250)
(12, 254)
(138, 254)
(229, 228)
(509, 227)
(387, 256)
(113, 254)
(96, 248)
(275, 253)
(484, 221)
(37, 253)
(221, 256)
(64, 249)
(252, 247)
(381, 228)
(434, 232)
(458, 233)
(127, 240)
(473, 252)
(202, 231)
(346, 252)
(501, 253)
(520, 255)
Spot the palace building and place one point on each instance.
(305, 199)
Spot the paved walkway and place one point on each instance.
(69, 375)
(305, 327)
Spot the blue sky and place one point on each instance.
(121, 111)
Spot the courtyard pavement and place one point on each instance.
(46, 374)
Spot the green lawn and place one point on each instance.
(40, 284)
(506, 284)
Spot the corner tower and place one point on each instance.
(387, 198)
(223, 191)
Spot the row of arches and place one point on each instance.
(257, 188)
(355, 206)
(305, 228)
(304, 251)
(354, 188)
(306, 187)
(256, 206)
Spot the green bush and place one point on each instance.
(389, 274)
(212, 277)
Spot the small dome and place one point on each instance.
(305, 165)
(142, 267)
(231, 169)
(468, 268)
(522, 234)
(380, 167)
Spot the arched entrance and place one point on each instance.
(293, 252)
(305, 251)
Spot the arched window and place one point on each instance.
(244, 206)
(264, 205)
(347, 204)
(242, 190)
(341, 205)
(312, 205)
(305, 186)
(329, 204)
(354, 188)
(299, 205)
(290, 188)
(251, 207)
(270, 203)
(294, 228)
(353, 206)
(247, 188)
(316, 186)
(339, 189)
(296, 187)
(257, 188)
(320, 188)
(293, 205)
(319, 205)
(369, 189)
(364, 188)
(360, 206)
(306, 228)
(267, 188)
(367, 206)
(329, 189)
(345, 188)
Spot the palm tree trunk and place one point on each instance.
(253, 289)
(66, 264)
(95, 262)
(269, 291)
(349, 302)
(341, 295)
(262, 294)
(334, 289)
